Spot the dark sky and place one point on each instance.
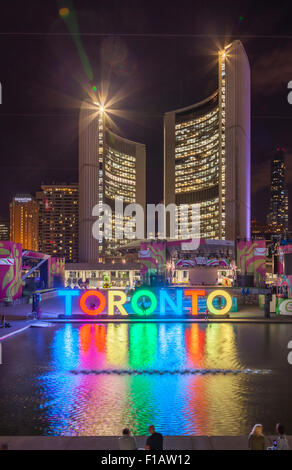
(157, 56)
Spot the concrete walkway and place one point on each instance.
(111, 442)
(16, 327)
(20, 315)
(16, 312)
(170, 320)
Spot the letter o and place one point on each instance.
(144, 293)
(221, 293)
(92, 293)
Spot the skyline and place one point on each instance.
(165, 73)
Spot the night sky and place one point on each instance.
(156, 56)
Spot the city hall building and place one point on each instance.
(206, 162)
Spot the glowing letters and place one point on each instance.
(221, 311)
(112, 303)
(68, 294)
(92, 310)
(144, 301)
(165, 297)
(195, 294)
(144, 293)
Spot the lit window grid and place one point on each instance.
(120, 175)
(209, 220)
(197, 153)
(199, 158)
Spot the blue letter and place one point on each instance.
(165, 297)
(68, 299)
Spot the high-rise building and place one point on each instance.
(58, 221)
(24, 221)
(278, 214)
(207, 152)
(110, 167)
(267, 231)
(4, 230)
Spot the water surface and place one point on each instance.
(94, 379)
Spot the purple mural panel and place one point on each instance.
(10, 270)
(251, 257)
(153, 257)
(56, 269)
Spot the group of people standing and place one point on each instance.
(256, 439)
(153, 442)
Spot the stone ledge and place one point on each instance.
(111, 442)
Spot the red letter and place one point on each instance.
(91, 293)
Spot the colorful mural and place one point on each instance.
(185, 263)
(285, 281)
(251, 257)
(284, 307)
(202, 261)
(10, 270)
(56, 268)
(153, 258)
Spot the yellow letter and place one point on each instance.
(220, 311)
(112, 303)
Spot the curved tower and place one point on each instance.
(109, 167)
(124, 177)
(207, 152)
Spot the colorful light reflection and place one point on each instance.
(90, 404)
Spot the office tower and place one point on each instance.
(24, 221)
(207, 151)
(278, 214)
(4, 230)
(58, 221)
(110, 167)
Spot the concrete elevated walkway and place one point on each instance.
(20, 317)
(52, 307)
(16, 327)
(111, 442)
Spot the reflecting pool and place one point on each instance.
(95, 379)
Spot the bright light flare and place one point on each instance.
(64, 12)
